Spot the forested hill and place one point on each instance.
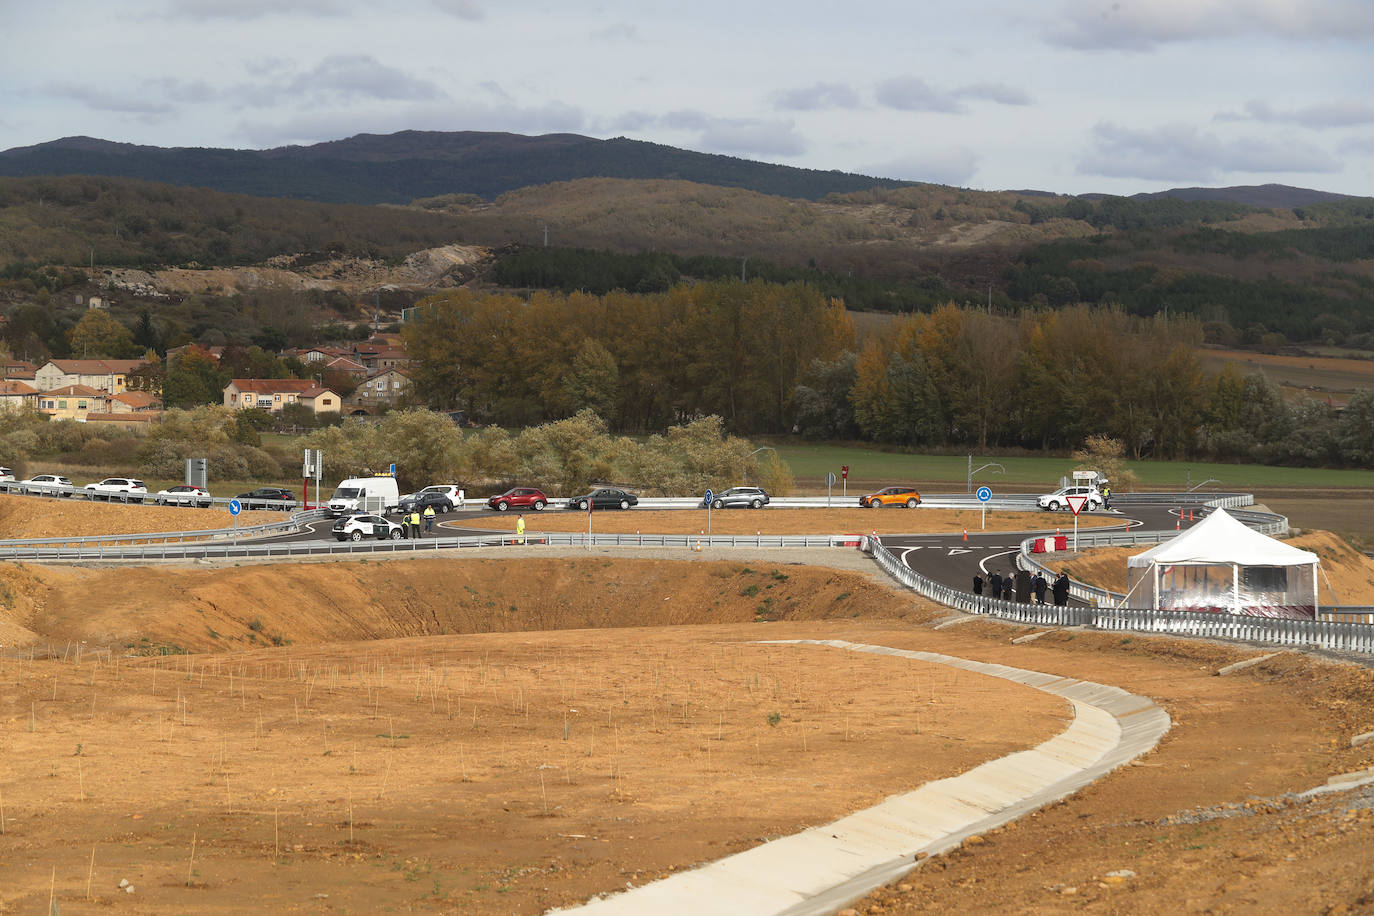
(398, 168)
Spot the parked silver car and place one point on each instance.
(740, 498)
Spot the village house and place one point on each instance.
(16, 393)
(383, 388)
(109, 375)
(272, 394)
(73, 402)
(18, 368)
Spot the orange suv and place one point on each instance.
(891, 496)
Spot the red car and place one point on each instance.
(519, 498)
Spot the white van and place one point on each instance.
(365, 494)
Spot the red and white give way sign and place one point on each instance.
(1076, 503)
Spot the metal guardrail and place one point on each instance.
(1306, 634)
(222, 549)
(1330, 635)
(22, 548)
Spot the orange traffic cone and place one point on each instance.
(1178, 525)
(966, 534)
(1190, 515)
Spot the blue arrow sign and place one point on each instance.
(984, 494)
(235, 507)
(709, 496)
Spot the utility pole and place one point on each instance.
(742, 263)
(546, 235)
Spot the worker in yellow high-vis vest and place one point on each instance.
(520, 529)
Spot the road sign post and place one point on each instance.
(829, 482)
(844, 478)
(1076, 503)
(709, 497)
(235, 507)
(984, 494)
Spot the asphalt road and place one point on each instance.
(949, 559)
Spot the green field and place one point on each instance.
(870, 468)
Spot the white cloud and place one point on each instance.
(247, 10)
(752, 137)
(469, 10)
(954, 165)
(101, 98)
(816, 97)
(995, 92)
(358, 76)
(1142, 25)
(909, 93)
(1180, 152)
(1347, 113)
(621, 31)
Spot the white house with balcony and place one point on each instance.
(272, 394)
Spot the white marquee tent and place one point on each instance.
(1222, 565)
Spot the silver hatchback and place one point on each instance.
(740, 498)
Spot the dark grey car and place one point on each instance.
(740, 498)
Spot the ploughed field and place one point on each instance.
(499, 735)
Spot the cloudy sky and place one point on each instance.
(1071, 96)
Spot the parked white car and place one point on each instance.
(183, 494)
(123, 488)
(1057, 500)
(6, 475)
(357, 527)
(452, 491)
(51, 484)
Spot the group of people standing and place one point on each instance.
(1021, 585)
(411, 522)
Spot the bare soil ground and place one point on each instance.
(34, 517)
(500, 736)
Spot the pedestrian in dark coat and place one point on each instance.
(977, 584)
(995, 584)
(1061, 590)
(1023, 586)
(1040, 586)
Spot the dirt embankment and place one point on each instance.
(216, 610)
(36, 517)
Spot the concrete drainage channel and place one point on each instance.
(824, 868)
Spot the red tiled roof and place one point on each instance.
(273, 385)
(75, 391)
(95, 366)
(137, 399)
(12, 387)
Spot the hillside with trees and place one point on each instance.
(397, 168)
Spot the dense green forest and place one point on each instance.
(771, 358)
(398, 168)
(78, 221)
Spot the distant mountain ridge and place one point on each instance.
(1269, 196)
(401, 167)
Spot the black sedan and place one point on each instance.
(605, 498)
(266, 498)
(418, 502)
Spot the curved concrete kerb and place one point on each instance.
(821, 869)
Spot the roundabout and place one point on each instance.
(321, 708)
